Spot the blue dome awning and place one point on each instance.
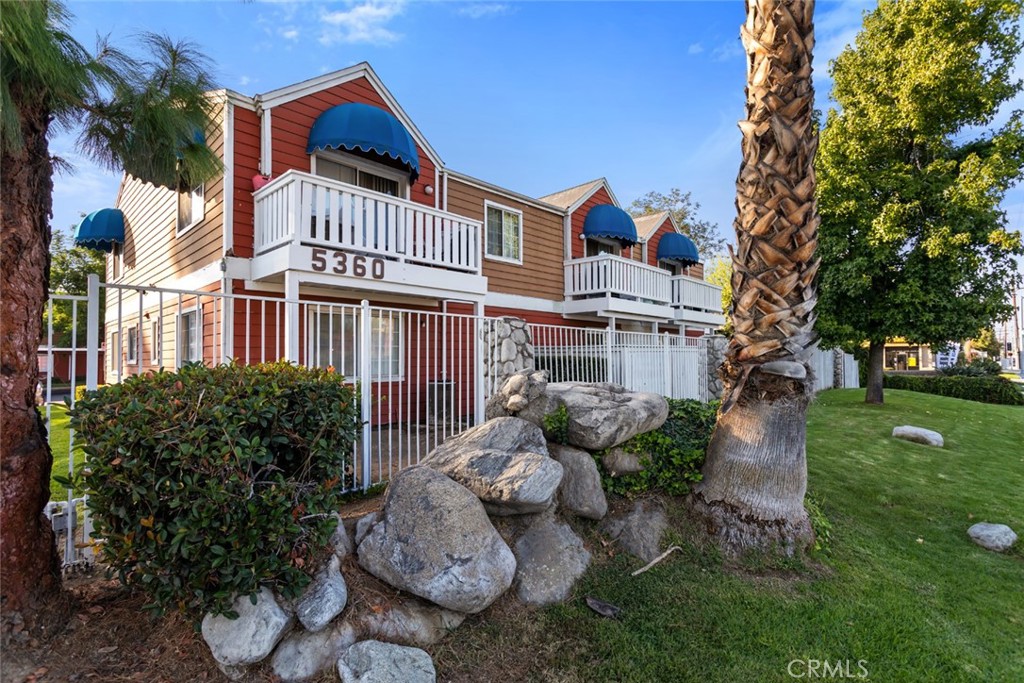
(680, 248)
(101, 230)
(366, 128)
(605, 220)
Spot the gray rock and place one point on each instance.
(618, 462)
(518, 392)
(303, 655)
(434, 540)
(252, 636)
(340, 540)
(232, 673)
(324, 598)
(639, 530)
(918, 435)
(365, 524)
(603, 415)
(580, 492)
(408, 622)
(997, 537)
(550, 560)
(374, 662)
(504, 462)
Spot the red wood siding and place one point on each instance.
(247, 165)
(580, 215)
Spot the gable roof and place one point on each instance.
(647, 225)
(288, 93)
(572, 198)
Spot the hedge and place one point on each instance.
(984, 389)
(209, 483)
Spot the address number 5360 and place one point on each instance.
(343, 263)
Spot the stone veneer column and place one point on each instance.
(508, 349)
(716, 345)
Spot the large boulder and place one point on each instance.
(618, 461)
(324, 597)
(550, 560)
(638, 531)
(580, 492)
(504, 462)
(516, 394)
(918, 435)
(997, 537)
(252, 636)
(434, 540)
(374, 662)
(604, 415)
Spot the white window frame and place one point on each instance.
(131, 354)
(197, 196)
(674, 267)
(180, 359)
(356, 340)
(488, 204)
(613, 248)
(365, 166)
(156, 343)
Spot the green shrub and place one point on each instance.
(983, 389)
(80, 391)
(671, 455)
(556, 425)
(979, 367)
(212, 482)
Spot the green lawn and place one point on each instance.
(901, 589)
(60, 432)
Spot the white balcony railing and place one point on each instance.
(691, 293)
(299, 207)
(610, 275)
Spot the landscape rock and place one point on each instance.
(603, 415)
(365, 523)
(324, 598)
(408, 621)
(997, 537)
(580, 491)
(638, 531)
(340, 539)
(232, 673)
(302, 655)
(372, 661)
(618, 462)
(918, 435)
(505, 462)
(252, 636)
(435, 540)
(518, 392)
(550, 560)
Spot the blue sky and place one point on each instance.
(532, 96)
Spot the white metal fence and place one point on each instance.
(419, 374)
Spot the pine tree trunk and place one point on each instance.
(755, 474)
(28, 554)
(876, 366)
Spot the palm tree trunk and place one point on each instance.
(876, 367)
(31, 568)
(755, 474)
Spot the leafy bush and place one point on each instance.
(556, 425)
(979, 367)
(983, 389)
(212, 482)
(80, 391)
(671, 455)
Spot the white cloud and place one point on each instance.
(730, 49)
(290, 33)
(360, 23)
(695, 49)
(478, 10)
(244, 81)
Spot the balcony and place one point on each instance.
(612, 286)
(696, 302)
(341, 235)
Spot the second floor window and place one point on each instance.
(504, 233)
(189, 349)
(191, 205)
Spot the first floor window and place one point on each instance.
(336, 341)
(132, 353)
(191, 206)
(188, 338)
(504, 233)
(155, 344)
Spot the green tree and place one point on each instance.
(70, 267)
(911, 171)
(682, 207)
(720, 273)
(751, 496)
(986, 341)
(140, 115)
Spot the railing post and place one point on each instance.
(92, 333)
(365, 386)
(291, 317)
(479, 361)
(666, 364)
(608, 349)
